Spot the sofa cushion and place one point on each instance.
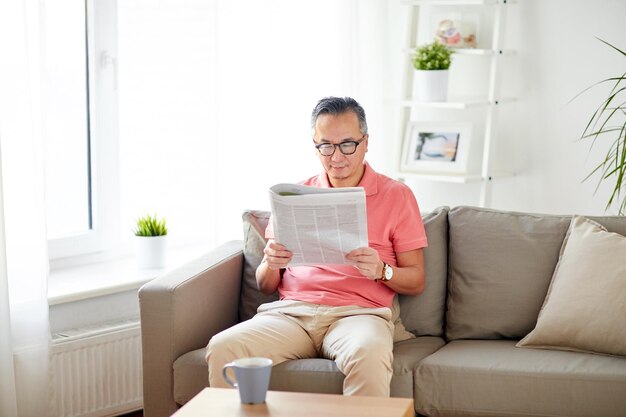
(424, 315)
(254, 224)
(307, 375)
(323, 376)
(406, 356)
(585, 308)
(500, 267)
(494, 378)
(191, 373)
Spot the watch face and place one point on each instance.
(388, 272)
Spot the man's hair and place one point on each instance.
(339, 105)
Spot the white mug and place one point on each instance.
(252, 377)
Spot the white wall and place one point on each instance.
(250, 119)
(561, 57)
(276, 61)
(558, 57)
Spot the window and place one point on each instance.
(68, 165)
(183, 95)
(79, 126)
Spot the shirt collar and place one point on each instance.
(368, 181)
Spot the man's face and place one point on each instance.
(342, 170)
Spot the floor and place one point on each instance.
(138, 413)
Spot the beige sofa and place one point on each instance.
(487, 272)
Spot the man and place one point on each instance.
(340, 312)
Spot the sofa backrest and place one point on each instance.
(422, 315)
(487, 271)
(500, 265)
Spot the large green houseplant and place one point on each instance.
(432, 63)
(609, 121)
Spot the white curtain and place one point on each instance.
(24, 325)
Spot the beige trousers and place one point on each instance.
(359, 340)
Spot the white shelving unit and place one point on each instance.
(486, 103)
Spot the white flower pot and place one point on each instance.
(151, 251)
(431, 85)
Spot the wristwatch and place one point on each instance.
(387, 272)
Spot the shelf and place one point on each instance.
(456, 2)
(486, 52)
(460, 103)
(498, 175)
(452, 178)
(471, 51)
(481, 105)
(453, 104)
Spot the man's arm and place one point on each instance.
(410, 271)
(275, 259)
(408, 276)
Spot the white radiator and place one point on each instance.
(96, 372)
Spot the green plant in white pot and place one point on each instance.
(608, 122)
(432, 64)
(151, 242)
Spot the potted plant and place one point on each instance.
(151, 239)
(432, 63)
(609, 121)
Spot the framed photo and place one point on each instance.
(456, 30)
(431, 147)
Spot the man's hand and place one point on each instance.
(367, 262)
(276, 255)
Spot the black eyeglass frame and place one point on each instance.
(356, 144)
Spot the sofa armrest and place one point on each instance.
(180, 311)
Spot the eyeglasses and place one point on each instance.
(347, 147)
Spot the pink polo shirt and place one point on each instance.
(394, 225)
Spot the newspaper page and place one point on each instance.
(319, 225)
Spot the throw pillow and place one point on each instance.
(585, 307)
(254, 224)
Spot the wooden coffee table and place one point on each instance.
(225, 402)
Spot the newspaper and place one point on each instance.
(319, 225)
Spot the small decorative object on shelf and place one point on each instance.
(456, 33)
(432, 62)
(436, 148)
(151, 239)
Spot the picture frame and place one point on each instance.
(436, 147)
(456, 30)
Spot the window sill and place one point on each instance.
(66, 285)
